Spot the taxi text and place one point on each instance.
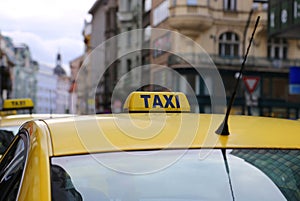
(157, 102)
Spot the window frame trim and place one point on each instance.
(24, 136)
(223, 41)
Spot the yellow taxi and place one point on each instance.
(10, 120)
(157, 150)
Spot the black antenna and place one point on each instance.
(223, 129)
(228, 172)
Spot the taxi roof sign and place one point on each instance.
(8, 112)
(156, 102)
(17, 104)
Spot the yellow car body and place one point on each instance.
(47, 142)
(10, 120)
(13, 122)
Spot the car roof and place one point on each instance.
(19, 119)
(106, 133)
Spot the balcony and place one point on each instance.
(125, 16)
(255, 63)
(190, 19)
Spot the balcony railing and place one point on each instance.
(125, 16)
(202, 59)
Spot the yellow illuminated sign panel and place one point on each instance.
(157, 102)
(14, 104)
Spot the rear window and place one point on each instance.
(246, 174)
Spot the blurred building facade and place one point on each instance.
(62, 87)
(129, 18)
(7, 62)
(62, 95)
(223, 29)
(46, 87)
(104, 53)
(133, 48)
(53, 89)
(24, 74)
(74, 100)
(110, 18)
(23, 77)
(80, 75)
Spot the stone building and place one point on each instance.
(62, 87)
(103, 63)
(7, 62)
(223, 29)
(74, 101)
(46, 90)
(24, 76)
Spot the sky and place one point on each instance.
(47, 27)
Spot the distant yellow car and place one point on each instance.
(10, 121)
(156, 151)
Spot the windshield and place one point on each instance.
(254, 174)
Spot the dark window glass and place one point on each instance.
(129, 36)
(276, 53)
(128, 61)
(6, 137)
(62, 186)
(227, 50)
(277, 48)
(11, 170)
(284, 56)
(129, 5)
(266, 87)
(236, 49)
(269, 51)
(229, 44)
(279, 88)
(229, 36)
(229, 5)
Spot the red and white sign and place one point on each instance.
(251, 82)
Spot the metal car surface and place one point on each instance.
(11, 121)
(104, 157)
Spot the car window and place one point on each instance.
(13, 129)
(62, 187)
(198, 175)
(6, 137)
(11, 169)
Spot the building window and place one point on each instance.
(128, 64)
(147, 5)
(129, 37)
(265, 6)
(255, 6)
(229, 45)
(129, 5)
(279, 88)
(191, 2)
(160, 13)
(137, 60)
(229, 5)
(174, 2)
(147, 33)
(277, 48)
(161, 45)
